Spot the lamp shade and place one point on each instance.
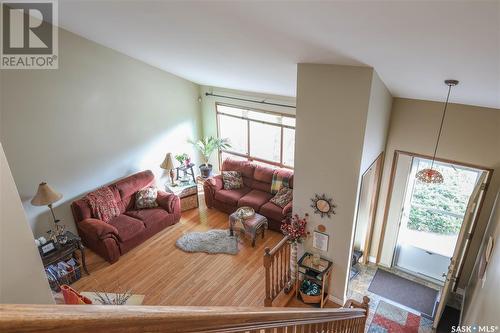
(45, 195)
(430, 176)
(168, 162)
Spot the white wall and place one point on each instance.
(482, 299)
(332, 107)
(101, 116)
(22, 278)
(470, 135)
(377, 122)
(208, 110)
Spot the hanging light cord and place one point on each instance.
(441, 127)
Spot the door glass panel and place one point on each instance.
(432, 217)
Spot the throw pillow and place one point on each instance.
(146, 198)
(283, 197)
(232, 180)
(279, 181)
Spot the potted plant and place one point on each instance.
(295, 228)
(207, 146)
(183, 159)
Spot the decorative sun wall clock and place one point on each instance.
(322, 205)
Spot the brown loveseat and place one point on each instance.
(123, 232)
(255, 193)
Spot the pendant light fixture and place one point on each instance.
(430, 175)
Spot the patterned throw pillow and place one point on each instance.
(232, 180)
(146, 198)
(279, 181)
(283, 197)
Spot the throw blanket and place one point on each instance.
(279, 181)
(103, 204)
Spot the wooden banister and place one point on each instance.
(100, 318)
(277, 270)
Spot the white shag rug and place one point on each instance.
(213, 241)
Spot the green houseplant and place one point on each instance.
(183, 159)
(207, 146)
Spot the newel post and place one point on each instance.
(268, 301)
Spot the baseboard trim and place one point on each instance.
(336, 300)
(372, 259)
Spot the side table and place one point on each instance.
(188, 193)
(253, 225)
(320, 274)
(72, 245)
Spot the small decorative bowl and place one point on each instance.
(245, 212)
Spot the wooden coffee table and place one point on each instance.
(251, 226)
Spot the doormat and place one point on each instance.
(403, 291)
(389, 318)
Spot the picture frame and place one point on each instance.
(320, 241)
(47, 248)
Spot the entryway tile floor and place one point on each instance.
(358, 287)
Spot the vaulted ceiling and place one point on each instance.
(255, 45)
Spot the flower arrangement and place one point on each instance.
(295, 228)
(183, 159)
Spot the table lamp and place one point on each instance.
(46, 196)
(168, 164)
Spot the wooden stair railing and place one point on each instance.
(277, 267)
(131, 319)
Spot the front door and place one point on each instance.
(432, 218)
(464, 238)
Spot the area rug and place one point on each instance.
(403, 291)
(213, 241)
(389, 318)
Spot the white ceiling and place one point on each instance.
(255, 45)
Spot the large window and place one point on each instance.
(264, 137)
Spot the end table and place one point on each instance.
(72, 245)
(320, 274)
(188, 193)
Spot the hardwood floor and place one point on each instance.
(169, 276)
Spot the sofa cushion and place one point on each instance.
(129, 185)
(254, 199)
(232, 180)
(246, 168)
(263, 177)
(152, 217)
(263, 174)
(272, 211)
(127, 226)
(231, 196)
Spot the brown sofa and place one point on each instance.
(256, 192)
(122, 233)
